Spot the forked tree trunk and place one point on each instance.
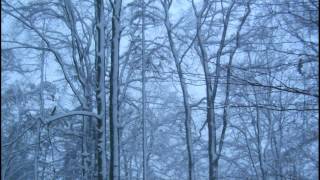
(184, 88)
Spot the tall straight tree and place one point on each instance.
(100, 94)
(143, 74)
(114, 91)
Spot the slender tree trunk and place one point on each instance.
(184, 88)
(36, 163)
(143, 71)
(226, 103)
(211, 89)
(212, 151)
(3, 166)
(88, 147)
(84, 149)
(258, 135)
(87, 137)
(187, 109)
(114, 90)
(100, 91)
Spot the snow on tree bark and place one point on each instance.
(114, 91)
(100, 91)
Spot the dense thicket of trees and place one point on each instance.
(159, 89)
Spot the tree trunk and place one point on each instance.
(211, 89)
(184, 88)
(143, 71)
(100, 91)
(212, 151)
(114, 90)
(36, 163)
(187, 109)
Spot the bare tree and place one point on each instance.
(114, 90)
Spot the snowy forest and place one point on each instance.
(159, 89)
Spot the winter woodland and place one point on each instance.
(159, 89)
